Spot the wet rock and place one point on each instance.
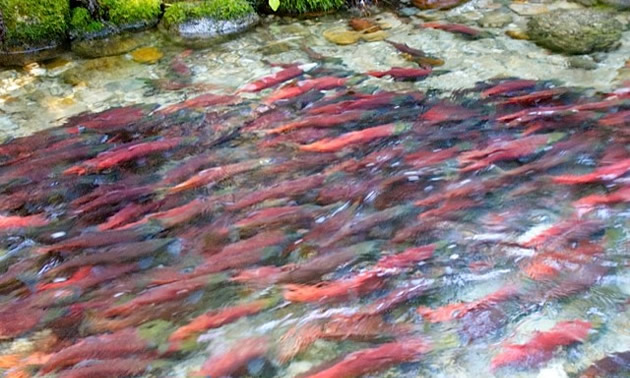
(408, 11)
(517, 34)
(299, 7)
(147, 55)
(575, 31)
(56, 63)
(496, 19)
(374, 37)
(363, 24)
(619, 4)
(582, 63)
(529, 9)
(32, 30)
(111, 45)
(617, 364)
(201, 23)
(275, 48)
(437, 4)
(80, 75)
(342, 36)
(109, 33)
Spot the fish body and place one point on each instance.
(605, 173)
(301, 87)
(454, 28)
(14, 222)
(371, 360)
(112, 158)
(541, 346)
(355, 137)
(507, 87)
(234, 360)
(277, 78)
(402, 73)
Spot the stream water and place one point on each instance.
(176, 216)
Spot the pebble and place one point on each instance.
(581, 62)
(496, 19)
(341, 36)
(147, 55)
(529, 9)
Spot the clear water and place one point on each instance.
(360, 202)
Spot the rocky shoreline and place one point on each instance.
(31, 32)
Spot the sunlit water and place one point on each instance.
(449, 174)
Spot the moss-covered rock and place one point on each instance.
(32, 29)
(619, 4)
(204, 22)
(579, 31)
(132, 12)
(82, 22)
(107, 35)
(299, 7)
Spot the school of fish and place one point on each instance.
(309, 206)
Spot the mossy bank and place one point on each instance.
(32, 30)
(199, 23)
(32, 27)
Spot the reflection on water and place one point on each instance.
(313, 218)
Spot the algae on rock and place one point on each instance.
(297, 7)
(107, 35)
(199, 23)
(130, 12)
(32, 29)
(83, 23)
(578, 31)
(34, 22)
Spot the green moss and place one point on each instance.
(219, 9)
(81, 22)
(125, 12)
(34, 21)
(300, 6)
(305, 6)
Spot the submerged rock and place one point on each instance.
(575, 31)
(342, 36)
(495, 19)
(205, 22)
(619, 4)
(437, 4)
(32, 30)
(107, 34)
(147, 55)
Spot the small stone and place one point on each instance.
(147, 55)
(496, 19)
(275, 48)
(517, 34)
(437, 4)
(363, 24)
(579, 31)
(103, 47)
(56, 63)
(529, 9)
(374, 37)
(408, 11)
(619, 4)
(342, 36)
(582, 63)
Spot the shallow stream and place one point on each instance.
(165, 218)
